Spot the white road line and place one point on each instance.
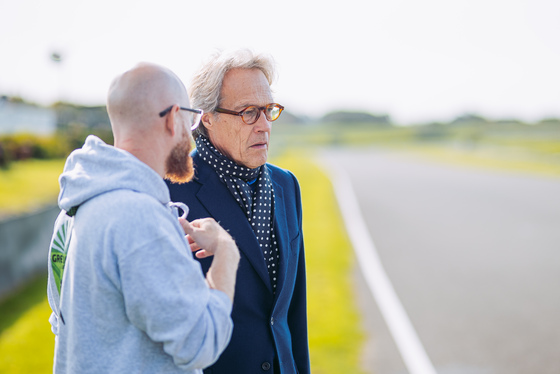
(411, 349)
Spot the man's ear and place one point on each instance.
(207, 119)
(170, 120)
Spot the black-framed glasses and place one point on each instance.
(195, 118)
(251, 114)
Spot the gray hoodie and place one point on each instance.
(131, 299)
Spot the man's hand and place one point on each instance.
(205, 236)
(210, 239)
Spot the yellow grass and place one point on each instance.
(520, 161)
(335, 335)
(29, 184)
(26, 341)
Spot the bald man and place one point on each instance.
(126, 294)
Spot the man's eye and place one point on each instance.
(250, 111)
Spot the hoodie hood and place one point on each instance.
(97, 168)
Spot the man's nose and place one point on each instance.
(262, 123)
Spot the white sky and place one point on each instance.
(416, 60)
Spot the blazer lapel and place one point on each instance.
(219, 202)
(281, 232)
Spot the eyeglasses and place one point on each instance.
(251, 114)
(195, 118)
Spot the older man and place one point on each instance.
(259, 204)
(126, 294)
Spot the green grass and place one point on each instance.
(28, 184)
(522, 149)
(305, 136)
(489, 157)
(335, 335)
(26, 341)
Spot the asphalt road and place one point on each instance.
(474, 257)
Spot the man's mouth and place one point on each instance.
(259, 145)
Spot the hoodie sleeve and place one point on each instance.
(166, 295)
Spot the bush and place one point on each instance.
(357, 117)
(16, 147)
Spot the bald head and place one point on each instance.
(137, 96)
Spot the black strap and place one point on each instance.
(72, 211)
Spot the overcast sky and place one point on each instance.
(416, 60)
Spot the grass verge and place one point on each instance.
(27, 184)
(26, 341)
(335, 335)
(489, 158)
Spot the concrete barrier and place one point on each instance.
(24, 246)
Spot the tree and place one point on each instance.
(356, 117)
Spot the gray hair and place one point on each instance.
(206, 86)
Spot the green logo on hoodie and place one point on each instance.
(58, 252)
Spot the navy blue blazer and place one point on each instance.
(269, 330)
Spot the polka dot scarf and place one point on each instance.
(252, 188)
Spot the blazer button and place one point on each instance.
(265, 366)
(272, 321)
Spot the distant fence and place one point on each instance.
(24, 244)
